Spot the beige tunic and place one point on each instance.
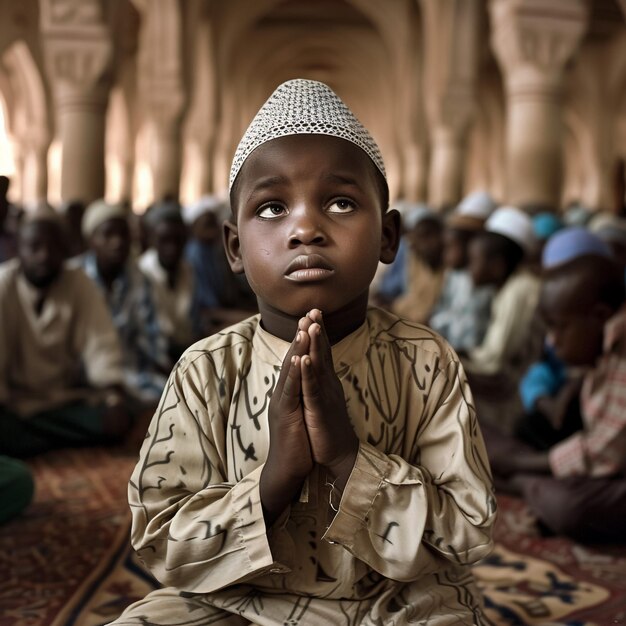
(417, 509)
(41, 356)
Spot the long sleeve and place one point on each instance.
(193, 527)
(396, 514)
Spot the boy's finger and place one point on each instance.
(304, 323)
(315, 348)
(290, 396)
(310, 385)
(320, 349)
(298, 347)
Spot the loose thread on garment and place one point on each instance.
(330, 494)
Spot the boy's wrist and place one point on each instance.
(341, 470)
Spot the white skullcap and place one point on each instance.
(477, 204)
(205, 204)
(304, 107)
(514, 224)
(99, 212)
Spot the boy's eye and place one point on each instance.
(271, 211)
(341, 206)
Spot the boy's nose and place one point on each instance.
(306, 229)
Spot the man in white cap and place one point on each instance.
(129, 298)
(514, 336)
(320, 462)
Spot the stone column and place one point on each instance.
(451, 31)
(34, 157)
(78, 52)
(532, 41)
(162, 92)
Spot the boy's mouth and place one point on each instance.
(309, 267)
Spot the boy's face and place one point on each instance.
(41, 252)
(168, 239)
(575, 327)
(310, 226)
(111, 243)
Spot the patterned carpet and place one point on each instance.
(67, 560)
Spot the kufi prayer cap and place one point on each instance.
(545, 225)
(513, 223)
(99, 212)
(478, 204)
(571, 243)
(304, 107)
(206, 204)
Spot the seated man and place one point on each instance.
(129, 298)
(170, 276)
(462, 312)
(578, 486)
(423, 265)
(221, 298)
(513, 338)
(60, 358)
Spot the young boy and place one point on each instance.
(513, 338)
(578, 486)
(321, 462)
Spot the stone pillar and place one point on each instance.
(451, 32)
(34, 157)
(532, 41)
(162, 92)
(78, 52)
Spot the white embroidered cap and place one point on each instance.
(304, 107)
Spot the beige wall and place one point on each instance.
(523, 98)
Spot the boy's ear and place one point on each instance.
(390, 236)
(230, 236)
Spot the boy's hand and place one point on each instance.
(289, 459)
(334, 443)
